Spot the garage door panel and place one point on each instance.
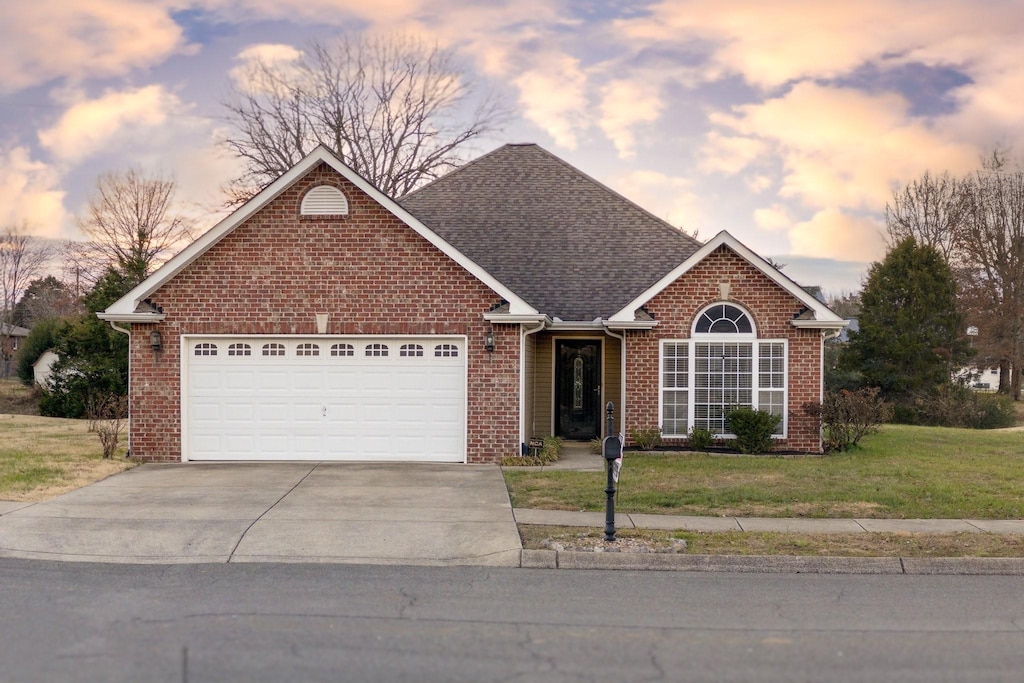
(290, 406)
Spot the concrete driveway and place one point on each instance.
(275, 512)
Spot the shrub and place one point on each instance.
(955, 405)
(107, 417)
(753, 429)
(847, 416)
(646, 438)
(700, 439)
(596, 446)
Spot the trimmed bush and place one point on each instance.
(753, 429)
(700, 439)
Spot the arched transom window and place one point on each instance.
(723, 319)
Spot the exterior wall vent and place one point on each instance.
(324, 200)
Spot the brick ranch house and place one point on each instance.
(508, 300)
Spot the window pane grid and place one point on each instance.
(722, 375)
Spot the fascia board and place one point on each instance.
(819, 324)
(631, 324)
(821, 311)
(514, 318)
(130, 317)
(128, 303)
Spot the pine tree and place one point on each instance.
(911, 334)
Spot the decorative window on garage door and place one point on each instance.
(307, 350)
(446, 351)
(342, 350)
(239, 350)
(273, 349)
(410, 350)
(377, 350)
(206, 349)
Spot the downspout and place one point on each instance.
(622, 380)
(522, 380)
(123, 330)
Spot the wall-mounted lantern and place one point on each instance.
(155, 340)
(489, 341)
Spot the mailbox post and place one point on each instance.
(612, 448)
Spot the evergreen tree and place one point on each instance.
(93, 357)
(910, 337)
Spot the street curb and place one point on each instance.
(772, 564)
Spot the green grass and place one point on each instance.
(903, 472)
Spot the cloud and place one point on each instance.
(773, 218)
(770, 45)
(554, 97)
(43, 40)
(667, 197)
(30, 193)
(626, 106)
(842, 147)
(114, 120)
(728, 153)
(833, 234)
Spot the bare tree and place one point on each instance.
(22, 259)
(992, 246)
(391, 107)
(931, 209)
(130, 221)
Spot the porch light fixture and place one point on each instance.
(155, 340)
(489, 341)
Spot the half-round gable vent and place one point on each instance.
(324, 200)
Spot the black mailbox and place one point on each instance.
(612, 447)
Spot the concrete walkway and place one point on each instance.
(274, 512)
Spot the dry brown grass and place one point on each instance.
(43, 457)
(17, 399)
(964, 544)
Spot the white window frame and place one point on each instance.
(758, 384)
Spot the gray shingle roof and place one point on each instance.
(568, 245)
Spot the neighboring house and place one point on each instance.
(511, 299)
(11, 339)
(43, 367)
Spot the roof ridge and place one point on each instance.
(665, 224)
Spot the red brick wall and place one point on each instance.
(772, 309)
(368, 270)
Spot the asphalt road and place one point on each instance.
(286, 622)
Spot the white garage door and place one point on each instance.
(325, 398)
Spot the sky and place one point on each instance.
(786, 123)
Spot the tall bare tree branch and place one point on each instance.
(22, 259)
(395, 109)
(130, 221)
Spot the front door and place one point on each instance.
(578, 388)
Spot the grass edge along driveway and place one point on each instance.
(904, 472)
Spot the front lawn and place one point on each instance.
(903, 472)
(42, 457)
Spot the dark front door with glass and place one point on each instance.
(577, 389)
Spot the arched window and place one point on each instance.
(723, 319)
